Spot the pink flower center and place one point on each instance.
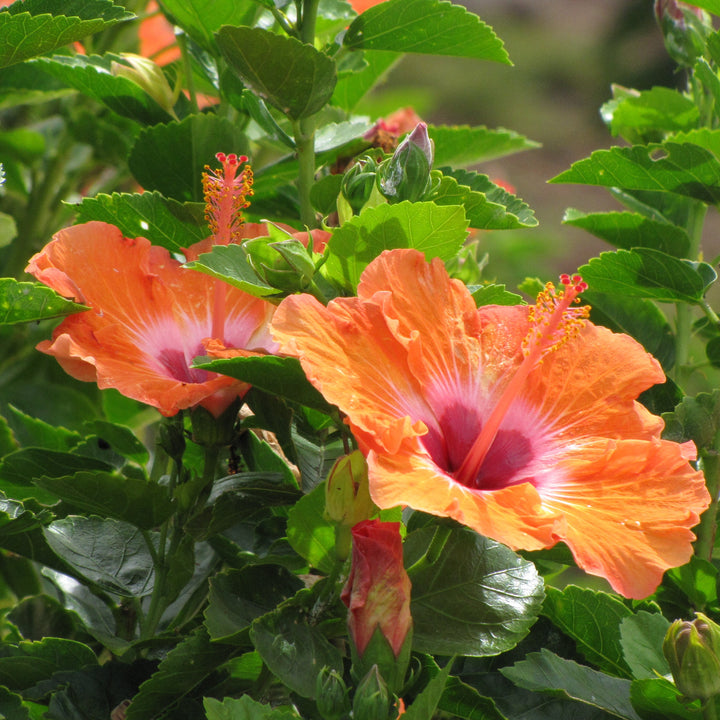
(175, 363)
(501, 445)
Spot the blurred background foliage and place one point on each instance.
(566, 56)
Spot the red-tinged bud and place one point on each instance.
(377, 595)
(685, 29)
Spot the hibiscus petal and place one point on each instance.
(514, 516)
(627, 510)
(149, 318)
(588, 386)
(349, 354)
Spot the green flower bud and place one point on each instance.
(331, 695)
(211, 431)
(284, 264)
(147, 75)
(372, 699)
(347, 492)
(358, 183)
(692, 649)
(171, 437)
(406, 175)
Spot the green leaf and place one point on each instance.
(171, 158)
(110, 553)
(650, 115)
(641, 637)
(92, 612)
(546, 672)
(705, 137)
(352, 87)
(592, 619)
(685, 169)
(237, 498)
(120, 438)
(647, 273)
(12, 706)
(293, 76)
(311, 535)
(30, 431)
(281, 376)
(22, 302)
(697, 419)
(229, 263)
(637, 317)
(658, 699)
(93, 76)
(147, 215)
(487, 206)
(495, 295)
(437, 231)
(28, 663)
(201, 19)
(36, 27)
(630, 230)
(697, 579)
(293, 649)
(184, 667)
(712, 6)
(142, 504)
(423, 706)
(475, 598)
(460, 146)
(20, 468)
(237, 597)
(429, 27)
(245, 708)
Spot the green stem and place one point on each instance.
(187, 71)
(304, 128)
(683, 317)
(705, 532)
(710, 709)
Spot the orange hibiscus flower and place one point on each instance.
(148, 318)
(519, 422)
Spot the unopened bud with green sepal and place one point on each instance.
(284, 264)
(406, 175)
(372, 699)
(331, 695)
(692, 649)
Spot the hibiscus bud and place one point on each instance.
(211, 431)
(372, 700)
(172, 438)
(692, 649)
(147, 75)
(331, 695)
(347, 493)
(406, 175)
(285, 264)
(358, 183)
(684, 28)
(377, 594)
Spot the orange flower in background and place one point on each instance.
(157, 38)
(149, 318)
(360, 6)
(520, 422)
